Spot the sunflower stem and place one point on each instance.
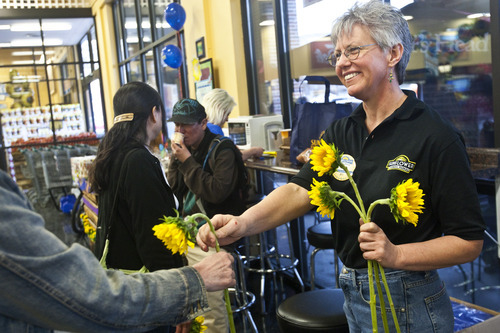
(389, 298)
(356, 191)
(345, 196)
(226, 291)
(383, 312)
(373, 301)
(375, 203)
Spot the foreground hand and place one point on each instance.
(183, 328)
(180, 151)
(217, 271)
(227, 229)
(376, 246)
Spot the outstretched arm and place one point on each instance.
(282, 205)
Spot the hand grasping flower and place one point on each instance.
(177, 233)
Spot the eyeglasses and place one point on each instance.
(351, 53)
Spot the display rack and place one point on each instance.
(35, 122)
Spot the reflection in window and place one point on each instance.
(150, 69)
(135, 70)
(87, 68)
(451, 61)
(95, 53)
(141, 61)
(131, 34)
(170, 89)
(95, 92)
(266, 57)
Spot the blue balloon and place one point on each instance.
(171, 56)
(175, 15)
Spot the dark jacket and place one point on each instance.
(143, 197)
(218, 185)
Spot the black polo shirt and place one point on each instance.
(414, 142)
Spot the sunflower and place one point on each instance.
(406, 201)
(176, 233)
(88, 228)
(197, 325)
(324, 158)
(322, 196)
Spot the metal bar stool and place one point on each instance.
(241, 298)
(320, 236)
(316, 310)
(264, 257)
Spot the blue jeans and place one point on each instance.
(420, 301)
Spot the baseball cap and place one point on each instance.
(188, 111)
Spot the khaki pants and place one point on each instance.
(216, 319)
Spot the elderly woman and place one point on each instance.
(372, 47)
(219, 105)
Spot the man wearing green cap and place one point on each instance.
(207, 172)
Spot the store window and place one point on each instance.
(451, 63)
(450, 67)
(42, 101)
(141, 45)
(264, 55)
(92, 83)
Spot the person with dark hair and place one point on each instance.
(46, 285)
(133, 193)
(390, 138)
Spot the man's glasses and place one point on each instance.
(351, 53)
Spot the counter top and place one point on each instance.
(279, 164)
(484, 163)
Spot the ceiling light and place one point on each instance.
(4, 45)
(266, 23)
(478, 15)
(22, 62)
(35, 42)
(29, 53)
(408, 17)
(28, 78)
(135, 40)
(4, 27)
(445, 68)
(130, 25)
(163, 25)
(50, 26)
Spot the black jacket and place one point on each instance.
(143, 197)
(217, 185)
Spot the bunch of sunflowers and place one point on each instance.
(405, 202)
